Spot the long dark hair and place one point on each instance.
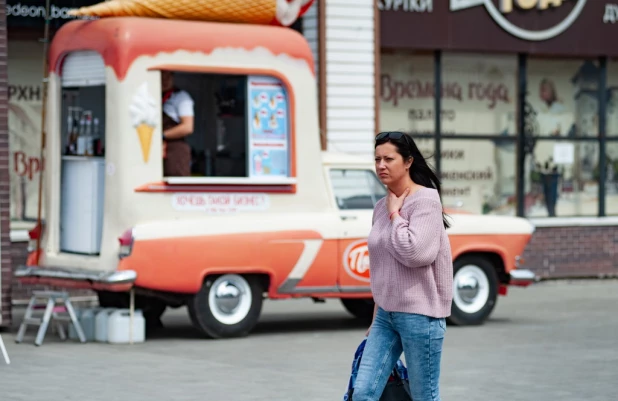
(420, 171)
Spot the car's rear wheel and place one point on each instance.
(227, 306)
(360, 308)
(475, 290)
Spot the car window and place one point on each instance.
(356, 188)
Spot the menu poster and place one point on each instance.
(269, 162)
(268, 125)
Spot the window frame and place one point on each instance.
(523, 140)
(242, 184)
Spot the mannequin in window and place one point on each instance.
(178, 117)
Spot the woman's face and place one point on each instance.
(390, 166)
(167, 81)
(546, 92)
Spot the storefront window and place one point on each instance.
(25, 95)
(612, 98)
(480, 94)
(407, 93)
(611, 179)
(563, 102)
(30, 14)
(563, 97)
(479, 176)
(427, 146)
(562, 179)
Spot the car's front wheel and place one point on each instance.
(227, 305)
(475, 290)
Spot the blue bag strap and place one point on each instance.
(356, 362)
(401, 370)
(398, 371)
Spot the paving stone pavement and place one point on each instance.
(554, 341)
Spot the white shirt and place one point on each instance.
(180, 104)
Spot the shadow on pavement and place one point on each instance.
(178, 326)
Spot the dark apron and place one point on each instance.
(177, 156)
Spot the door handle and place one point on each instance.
(348, 217)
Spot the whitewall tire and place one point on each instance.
(475, 290)
(227, 306)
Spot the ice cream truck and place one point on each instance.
(263, 212)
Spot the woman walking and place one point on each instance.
(411, 274)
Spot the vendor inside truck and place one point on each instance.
(178, 119)
(212, 107)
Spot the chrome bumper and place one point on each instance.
(71, 274)
(522, 277)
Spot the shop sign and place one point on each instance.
(417, 6)
(32, 13)
(611, 14)
(507, 7)
(220, 202)
(37, 11)
(557, 27)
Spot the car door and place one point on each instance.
(356, 191)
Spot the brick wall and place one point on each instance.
(5, 230)
(5, 241)
(564, 252)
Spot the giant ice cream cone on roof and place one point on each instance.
(275, 12)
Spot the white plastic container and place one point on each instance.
(86, 319)
(118, 325)
(100, 324)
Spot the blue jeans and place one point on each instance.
(419, 337)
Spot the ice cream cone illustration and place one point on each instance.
(273, 121)
(144, 131)
(143, 117)
(275, 12)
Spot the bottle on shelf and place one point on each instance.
(88, 136)
(97, 144)
(73, 130)
(81, 138)
(67, 148)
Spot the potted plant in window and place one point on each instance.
(611, 174)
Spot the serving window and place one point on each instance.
(240, 129)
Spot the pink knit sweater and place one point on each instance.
(410, 257)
